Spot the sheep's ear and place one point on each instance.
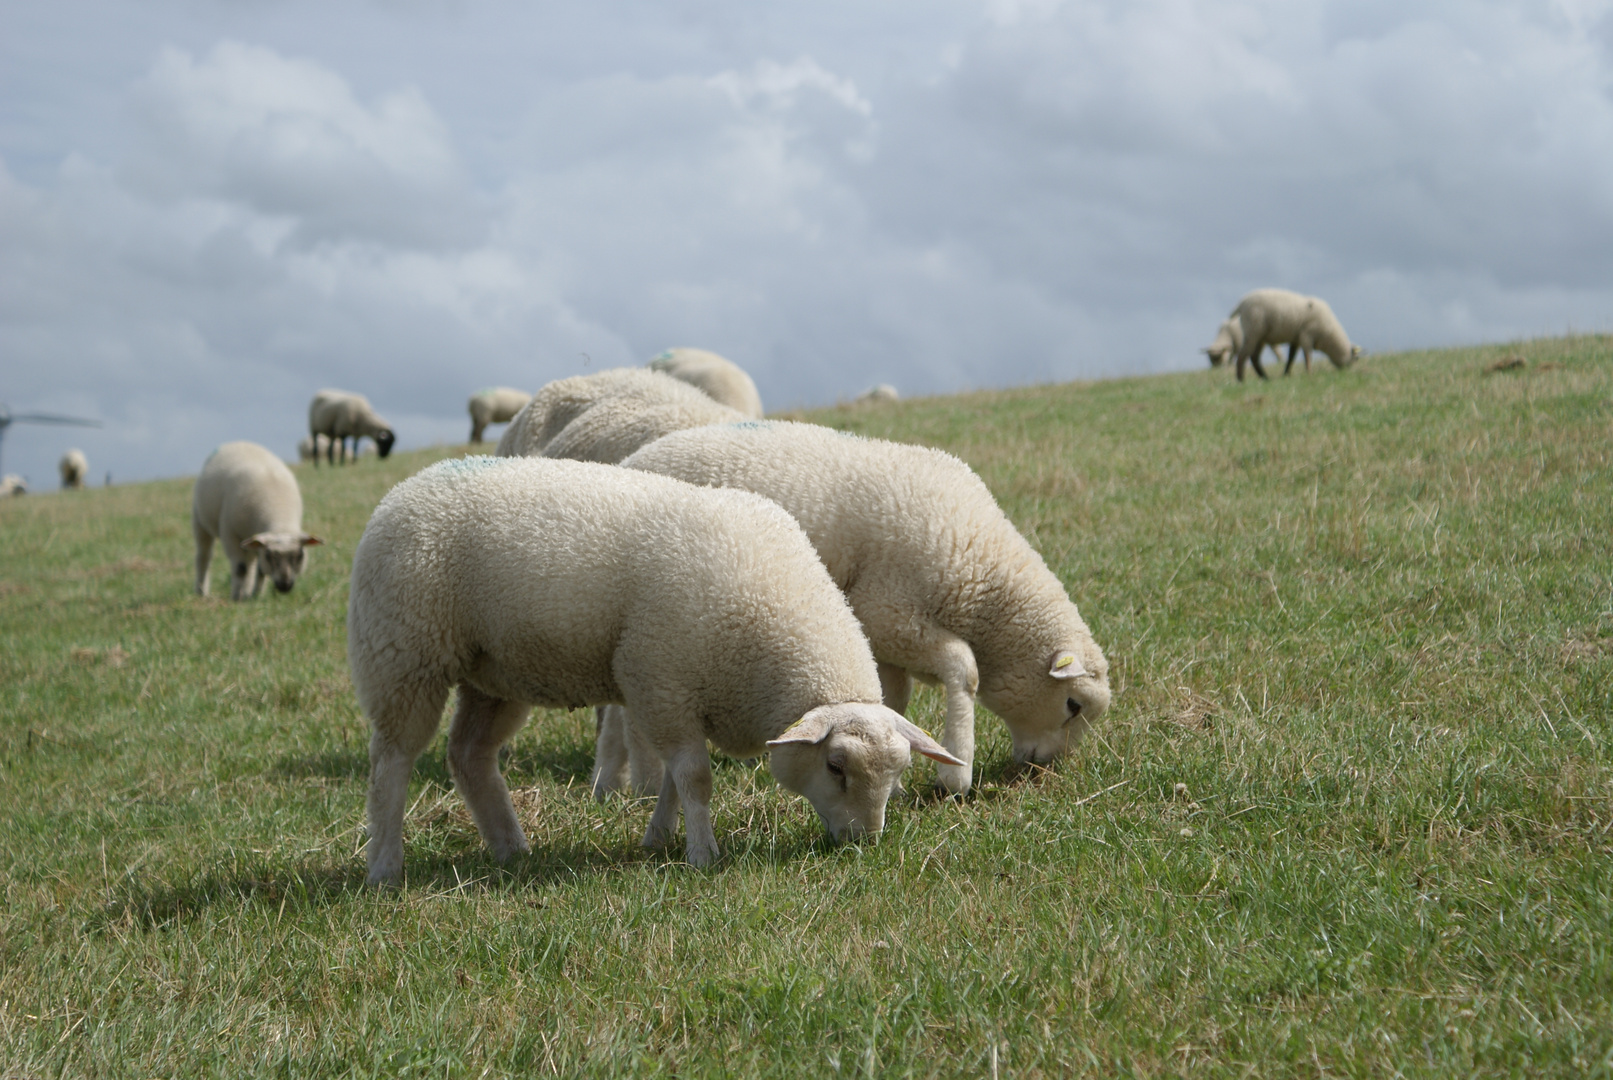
(1066, 666)
(812, 728)
(922, 743)
(257, 542)
(309, 541)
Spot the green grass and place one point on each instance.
(1349, 815)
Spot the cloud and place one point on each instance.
(286, 139)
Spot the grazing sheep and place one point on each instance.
(495, 406)
(339, 416)
(564, 583)
(74, 468)
(1269, 316)
(944, 585)
(248, 501)
(884, 392)
(721, 379)
(1229, 339)
(12, 484)
(606, 416)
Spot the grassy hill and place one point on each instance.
(1350, 812)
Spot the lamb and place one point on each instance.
(563, 583)
(339, 416)
(944, 585)
(721, 379)
(12, 484)
(496, 406)
(247, 500)
(74, 467)
(884, 392)
(1306, 322)
(606, 416)
(1229, 339)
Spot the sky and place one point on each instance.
(212, 209)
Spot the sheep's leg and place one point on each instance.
(960, 679)
(1240, 366)
(403, 729)
(665, 818)
(260, 574)
(644, 769)
(1255, 360)
(610, 751)
(896, 687)
(476, 431)
(1293, 351)
(1307, 360)
(243, 576)
(690, 770)
(204, 557)
(623, 761)
(481, 725)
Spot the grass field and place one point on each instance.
(1349, 815)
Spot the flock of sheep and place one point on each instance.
(642, 541)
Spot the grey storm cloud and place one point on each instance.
(208, 211)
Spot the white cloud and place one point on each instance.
(287, 139)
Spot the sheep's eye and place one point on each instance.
(836, 769)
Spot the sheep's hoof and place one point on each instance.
(702, 856)
(954, 779)
(656, 837)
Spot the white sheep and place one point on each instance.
(1269, 316)
(248, 501)
(74, 467)
(607, 415)
(884, 393)
(945, 587)
(339, 416)
(12, 484)
(1229, 339)
(495, 406)
(718, 377)
(563, 583)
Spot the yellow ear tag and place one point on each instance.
(1064, 661)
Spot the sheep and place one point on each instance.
(563, 583)
(339, 416)
(720, 378)
(74, 467)
(1229, 339)
(496, 406)
(12, 484)
(1306, 322)
(607, 415)
(247, 500)
(884, 392)
(944, 585)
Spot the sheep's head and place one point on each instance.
(847, 760)
(1048, 700)
(384, 440)
(281, 556)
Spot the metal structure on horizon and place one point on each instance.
(7, 418)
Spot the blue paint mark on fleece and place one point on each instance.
(464, 466)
